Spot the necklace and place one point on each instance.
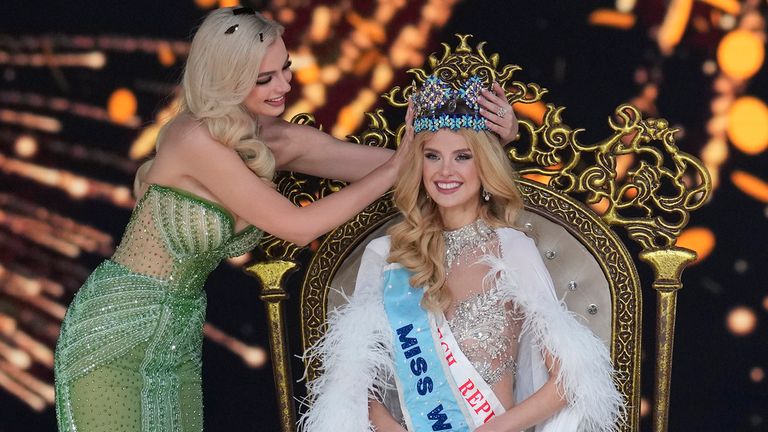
(466, 239)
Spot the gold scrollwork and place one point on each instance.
(652, 202)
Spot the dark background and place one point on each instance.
(718, 382)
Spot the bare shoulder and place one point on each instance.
(185, 149)
(185, 134)
(288, 141)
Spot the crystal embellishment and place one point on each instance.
(475, 236)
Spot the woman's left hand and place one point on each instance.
(498, 113)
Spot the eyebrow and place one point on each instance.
(287, 59)
(454, 152)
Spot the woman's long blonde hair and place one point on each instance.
(221, 70)
(417, 241)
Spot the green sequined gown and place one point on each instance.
(129, 354)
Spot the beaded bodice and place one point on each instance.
(483, 321)
(180, 238)
(486, 329)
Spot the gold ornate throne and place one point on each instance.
(585, 211)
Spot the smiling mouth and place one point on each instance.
(447, 186)
(277, 100)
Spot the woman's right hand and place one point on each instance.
(407, 139)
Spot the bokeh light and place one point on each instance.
(645, 407)
(730, 6)
(750, 185)
(165, 54)
(698, 239)
(741, 321)
(612, 18)
(26, 146)
(205, 4)
(255, 357)
(757, 374)
(748, 125)
(122, 105)
(741, 54)
(674, 25)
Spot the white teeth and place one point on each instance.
(276, 99)
(451, 185)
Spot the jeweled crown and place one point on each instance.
(439, 106)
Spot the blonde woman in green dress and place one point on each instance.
(129, 354)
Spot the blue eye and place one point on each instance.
(431, 156)
(464, 156)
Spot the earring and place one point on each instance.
(486, 195)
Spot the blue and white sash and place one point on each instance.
(426, 396)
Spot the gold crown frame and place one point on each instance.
(651, 202)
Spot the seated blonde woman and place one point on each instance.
(455, 311)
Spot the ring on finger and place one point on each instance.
(501, 112)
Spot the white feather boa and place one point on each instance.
(356, 349)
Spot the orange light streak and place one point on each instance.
(58, 104)
(92, 60)
(67, 181)
(7, 324)
(38, 351)
(732, 7)
(253, 356)
(22, 393)
(612, 18)
(44, 304)
(102, 42)
(36, 231)
(31, 121)
(674, 24)
(16, 356)
(750, 185)
(42, 389)
(83, 236)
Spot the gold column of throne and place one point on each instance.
(589, 262)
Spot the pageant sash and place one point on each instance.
(426, 396)
(480, 401)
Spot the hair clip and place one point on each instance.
(243, 10)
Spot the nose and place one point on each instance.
(285, 82)
(446, 167)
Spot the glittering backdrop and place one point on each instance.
(83, 86)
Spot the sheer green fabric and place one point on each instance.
(129, 354)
